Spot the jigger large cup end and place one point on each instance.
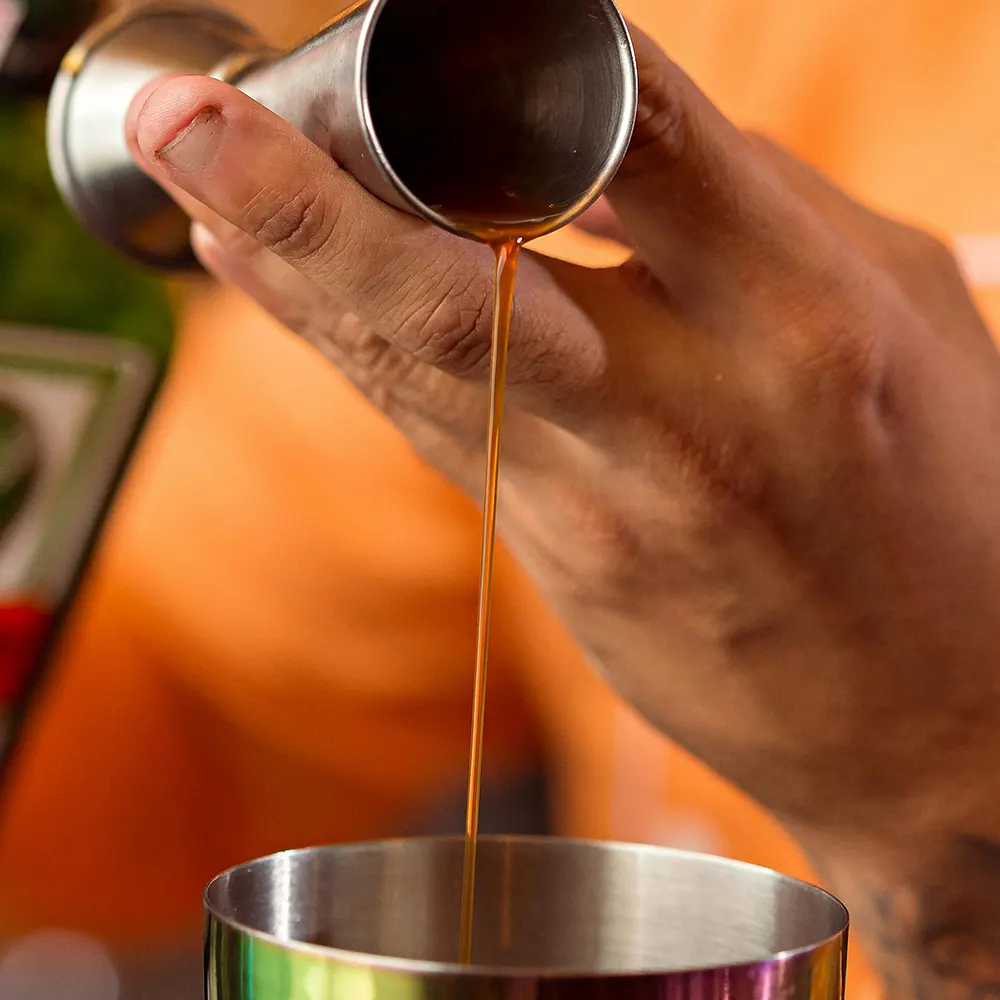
(554, 919)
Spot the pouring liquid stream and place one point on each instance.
(507, 254)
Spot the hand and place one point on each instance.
(756, 469)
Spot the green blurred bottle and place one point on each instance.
(85, 338)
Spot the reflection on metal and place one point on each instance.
(555, 919)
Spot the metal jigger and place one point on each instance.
(484, 119)
(555, 920)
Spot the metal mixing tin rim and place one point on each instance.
(403, 966)
(61, 96)
(619, 149)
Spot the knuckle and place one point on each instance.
(374, 366)
(662, 116)
(616, 564)
(452, 325)
(831, 336)
(295, 228)
(640, 279)
(928, 247)
(462, 344)
(917, 254)
(931, 274)
(609, 566)
(370, 351)
(933, 254)
(379, 367)
(837, 353)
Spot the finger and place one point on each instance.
(410, 392)
(806, 179)
(842, 212)
(288, 295)
(601, 220)
(421, 289)
(390, 378)
(920, 262)
(701, 204)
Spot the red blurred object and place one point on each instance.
(23, 629)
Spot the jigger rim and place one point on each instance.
(386, 963)
(613, 162)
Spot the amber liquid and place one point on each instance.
(503, 304)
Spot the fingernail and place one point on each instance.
(195, 146)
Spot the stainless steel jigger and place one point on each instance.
(481, 118)
(555, 920)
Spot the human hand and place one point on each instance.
(756, 469)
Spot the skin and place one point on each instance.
(756, 469)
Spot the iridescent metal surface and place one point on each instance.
(554, 918)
